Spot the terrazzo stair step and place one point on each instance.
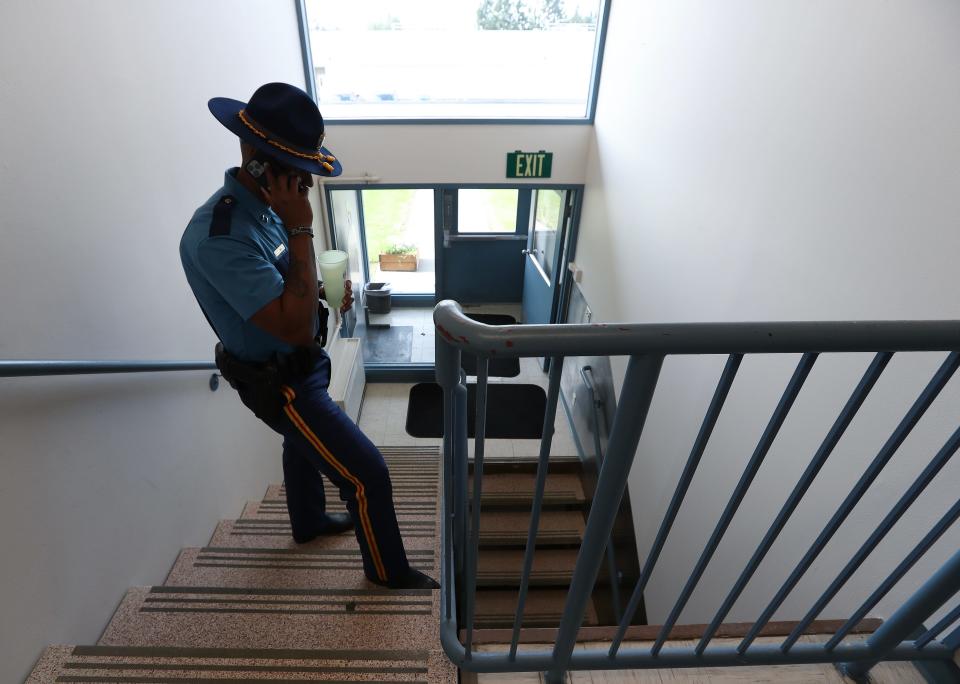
(277, 509)
(418, 486)
(419, 451)
(406, 464)
(307, 567)
(502, 568)
(510, 528)
(508, 490)
(248, 617)
(496, 608)
(127, 665)
(241, 534)
(418, 527)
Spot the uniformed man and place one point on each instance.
(248, 256)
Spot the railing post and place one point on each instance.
(586, 373)
(639, 385)
(447, 370)
(461, 457)
(927, 599)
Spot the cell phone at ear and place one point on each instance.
(257, 168)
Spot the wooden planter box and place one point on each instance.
(398, 262)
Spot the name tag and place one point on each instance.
(279, 250)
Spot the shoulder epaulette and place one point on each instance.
(222, 213)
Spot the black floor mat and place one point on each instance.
(492, 319)
(513, 411)
(499, 368)
(388, 345)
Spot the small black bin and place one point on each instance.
(377, 296)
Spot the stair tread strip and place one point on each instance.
(237, 533)
(158, 665)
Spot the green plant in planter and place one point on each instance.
(401, 249)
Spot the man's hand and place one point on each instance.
(347, 302)
(292, 317)
(287, 199)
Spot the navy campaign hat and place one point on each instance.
(282, 121)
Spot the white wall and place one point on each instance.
(760, 160)
(106, 149)
(456, 154)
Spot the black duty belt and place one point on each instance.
(260, 384)
(280, 369)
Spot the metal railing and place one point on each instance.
(47, 367)
(646, 346)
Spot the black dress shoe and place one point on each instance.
(412, 579)
(335, 523)
(332, 523)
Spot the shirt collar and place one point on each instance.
(252, 204)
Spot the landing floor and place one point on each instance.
(383, 419)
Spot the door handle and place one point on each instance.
(525, 252)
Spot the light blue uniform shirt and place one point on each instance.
(237, 271)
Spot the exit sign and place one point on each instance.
(529, 164)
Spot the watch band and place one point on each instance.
(302, 230)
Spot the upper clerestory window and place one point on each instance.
(459, 60)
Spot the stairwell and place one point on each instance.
(254, 606)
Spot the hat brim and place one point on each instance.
(227, 112)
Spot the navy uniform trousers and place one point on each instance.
(318, 437)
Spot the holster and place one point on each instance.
(259, 384)
(323, 314)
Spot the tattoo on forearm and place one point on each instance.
(296, 278)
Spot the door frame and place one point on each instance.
(526, 207)
(399, 299)
(424, 372)
(415, 300)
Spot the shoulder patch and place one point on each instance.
(222, 214)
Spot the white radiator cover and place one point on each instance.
(347, 377)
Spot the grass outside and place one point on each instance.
(487, 211)
(549, 208)
(386, 214)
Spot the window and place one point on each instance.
(487, 211)
(458, 59)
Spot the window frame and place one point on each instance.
(593, 89)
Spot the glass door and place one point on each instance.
(388, 234)
(483, 232)
(542, 272)
(398, 228)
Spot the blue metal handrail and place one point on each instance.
(36, 368)
(647, 346)
(49, 367)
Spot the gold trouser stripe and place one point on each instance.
(301, 425)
